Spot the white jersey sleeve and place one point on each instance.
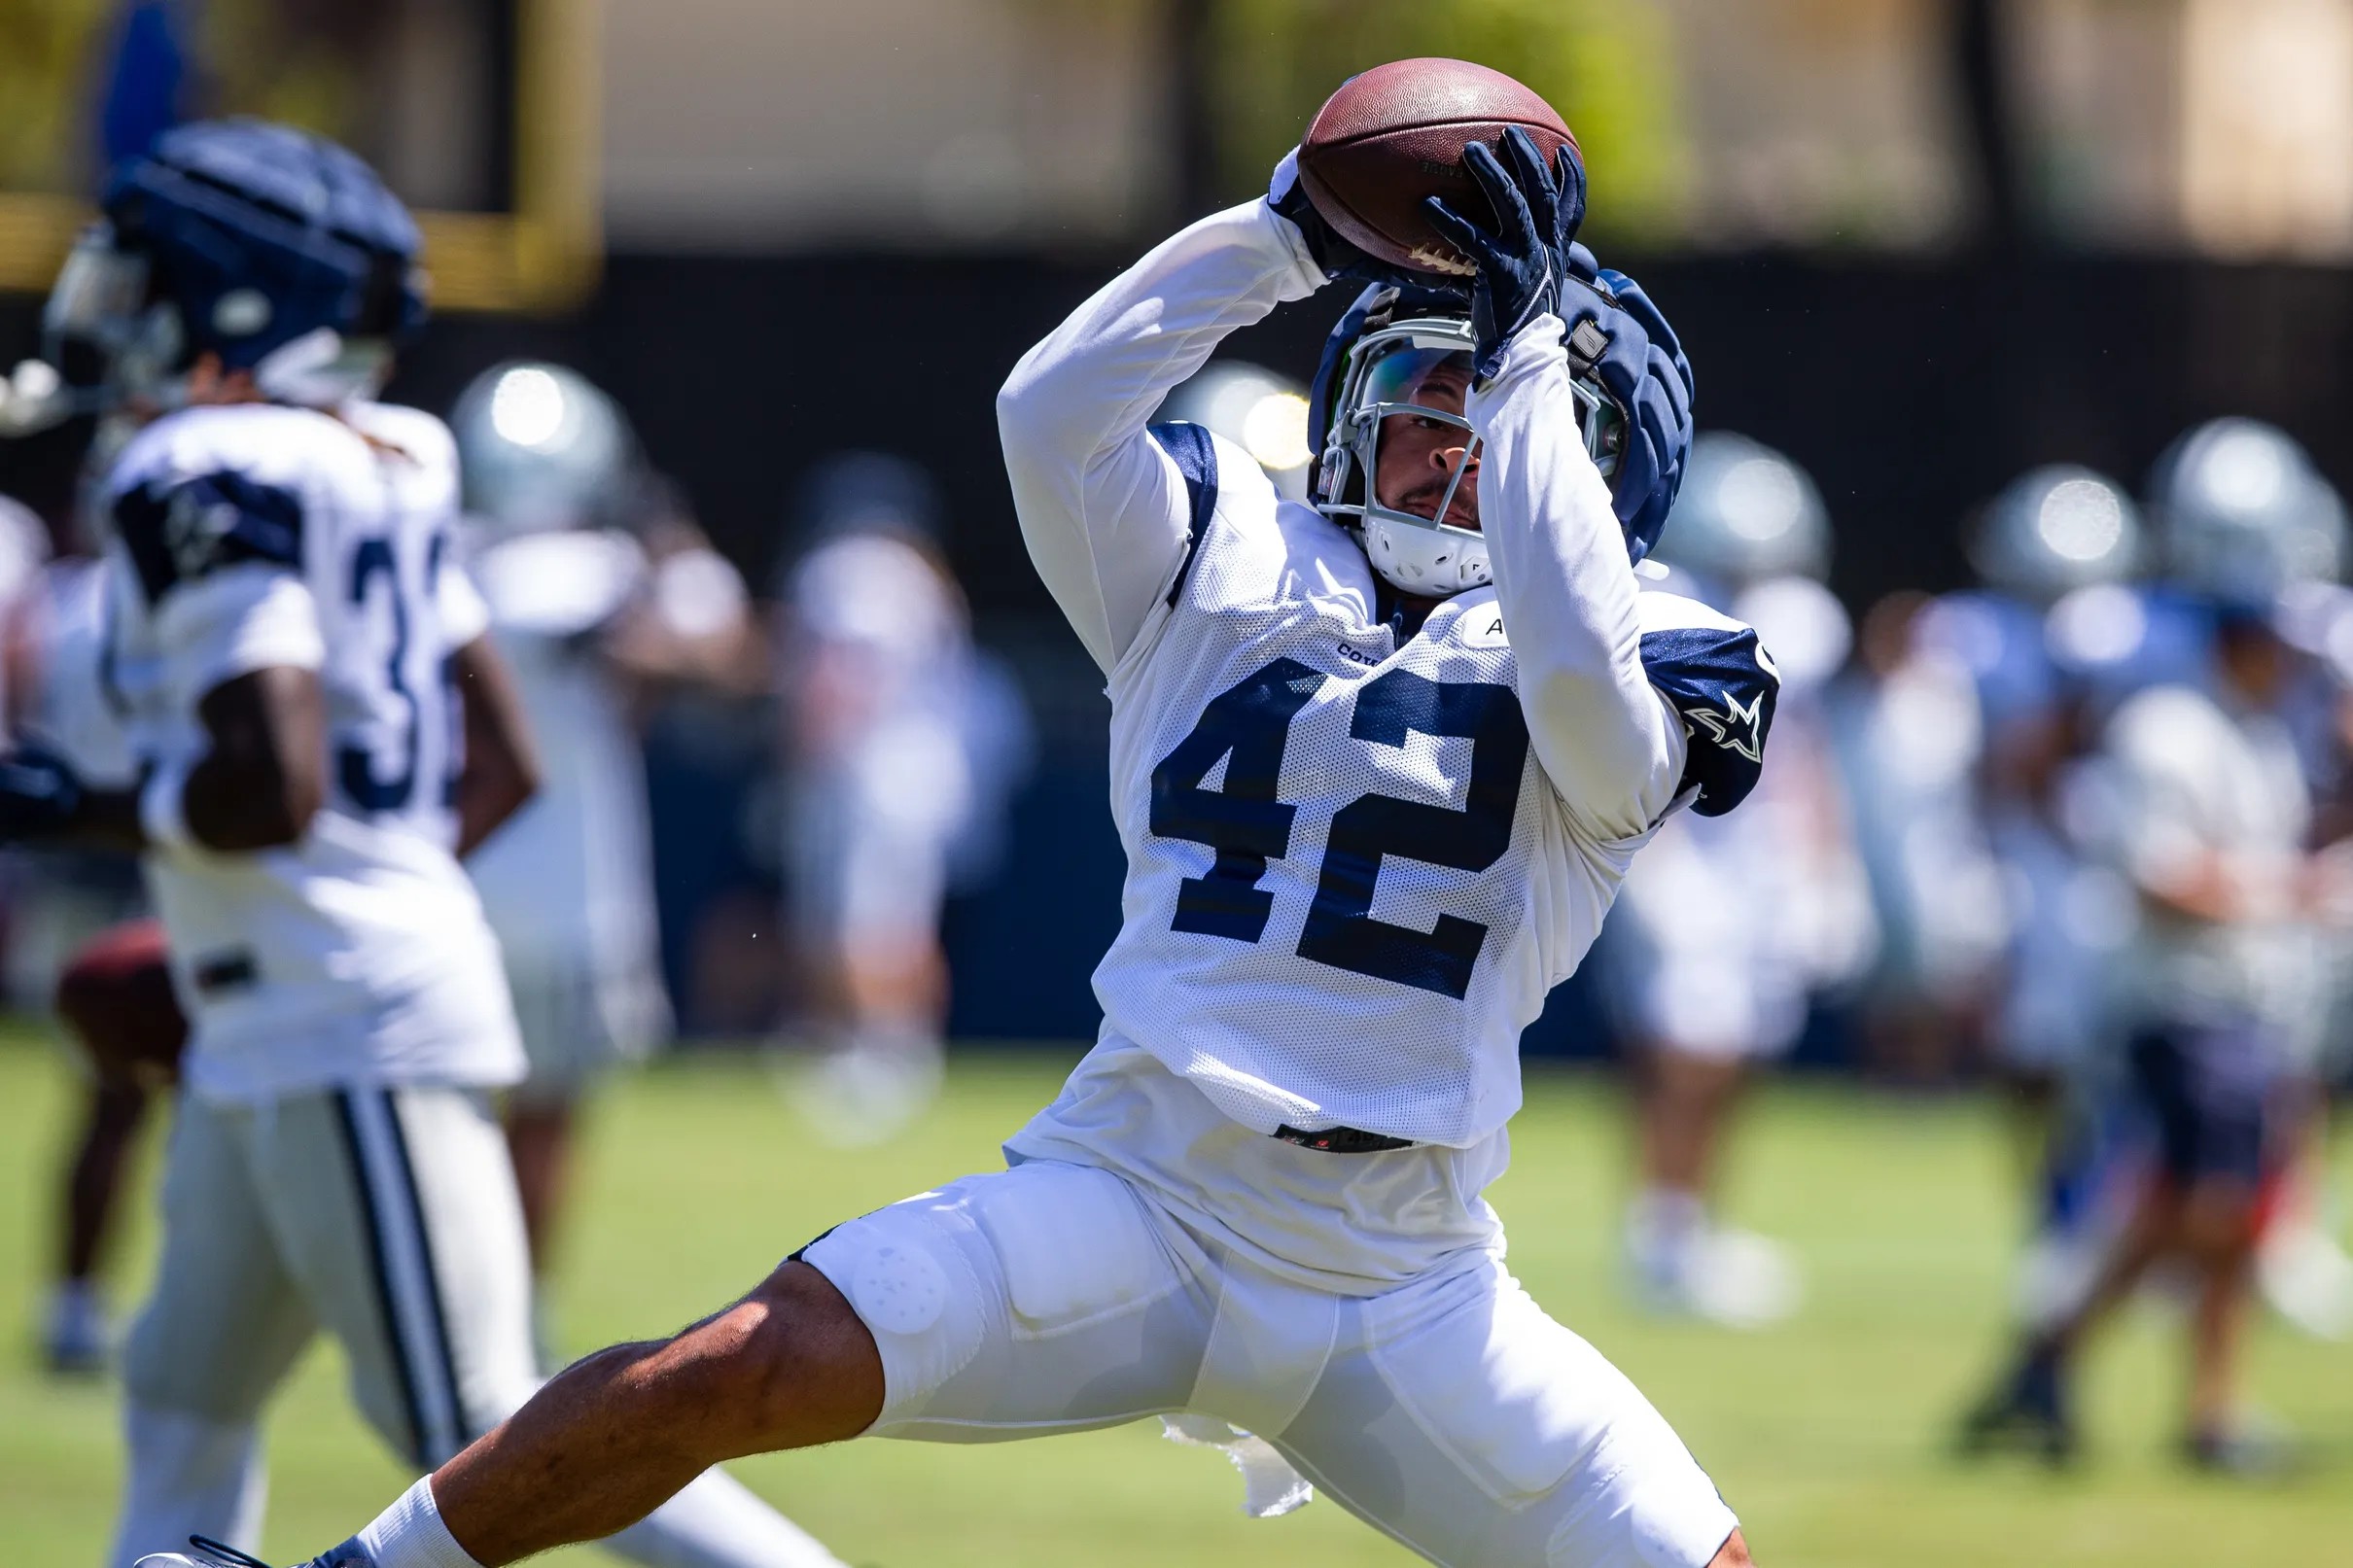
(465, 613)
(1612, 746)
(215, 557)
(1106, 509)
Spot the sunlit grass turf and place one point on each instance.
(1829, 1435)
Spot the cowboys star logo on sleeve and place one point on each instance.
(180, 528)
(1723, 686)
(1737, 728)
(197, 518)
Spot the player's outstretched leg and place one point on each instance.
(115, 999)
(1460, 1420)
(619, 1433)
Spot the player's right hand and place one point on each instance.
(39, 795)
(1335, 256)
(1519, 261)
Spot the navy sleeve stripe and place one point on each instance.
(179, 531)
(1196, 458)
(1724, 690)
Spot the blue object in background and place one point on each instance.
(144, 77)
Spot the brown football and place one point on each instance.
(1396, 135)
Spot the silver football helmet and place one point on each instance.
(1379, 372)
(1260, 411)
(1745, 514)
(541, 448)
(2242, 513)
(2055, 528)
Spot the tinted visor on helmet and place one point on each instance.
(1386, 378)
(1394, 388)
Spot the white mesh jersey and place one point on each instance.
(1350, 884)
(1358, 860)
(568, 883)
(256, 536)
(74, 706)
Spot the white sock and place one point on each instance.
(187, 1476)
(410, 1534)
(1662, 1224)
(715, 1522)
(77, 1313)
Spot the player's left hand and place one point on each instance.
(1639, 363)
(39, 795)
(1519, 264)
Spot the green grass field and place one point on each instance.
(1827, 1435)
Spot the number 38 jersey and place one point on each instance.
(254, 535)
(1350, 883)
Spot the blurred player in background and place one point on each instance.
(1908, 730)
(324, 728)
(67, 952)
(2204, 806)
(1729, 926)
(2055, 638)
(898, 739)
(601, 591)
(1263, 412)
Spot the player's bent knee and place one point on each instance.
(1734, 1554)
(789, 1365)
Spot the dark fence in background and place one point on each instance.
(1911, 389)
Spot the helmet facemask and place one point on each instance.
(1383, 371)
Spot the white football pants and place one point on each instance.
(1450, 1414)
(387, 1217)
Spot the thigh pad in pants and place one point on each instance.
(1042, 1299)
(1460, 1419)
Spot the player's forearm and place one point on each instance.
(502, 771)
(1094, 381)
(2211, 890)
(264, 776)
(1102, 510)
(1565, 585)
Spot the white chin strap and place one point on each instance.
(1426, 558)
(322, 368)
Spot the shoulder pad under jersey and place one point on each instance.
(1194, 451)
(1722, 683)
(178, 527)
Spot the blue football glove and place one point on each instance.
(39, 795)
(1617, 336)
(1519, 264)
(1335, 256)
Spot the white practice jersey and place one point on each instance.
(1357, 861)
(1730, 923)
(569, 881)
(256, 536)
(2182, 780)
(877, 659)
(76, 707)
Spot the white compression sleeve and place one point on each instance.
(1607, 741)
(1103, 510)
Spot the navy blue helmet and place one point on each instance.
(1392, 340)
(276, 250)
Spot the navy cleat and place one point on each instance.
(2027, 1414)
(2245, 1451)
(203, 1552)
